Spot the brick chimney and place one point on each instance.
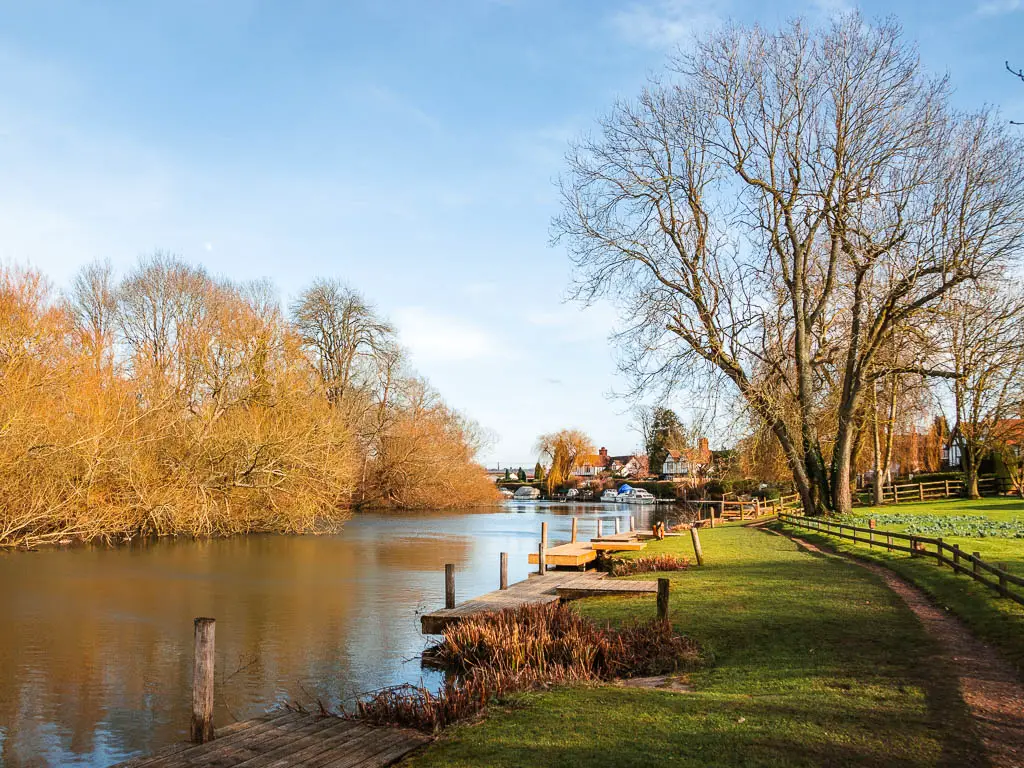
(702, 446)
(604, 454)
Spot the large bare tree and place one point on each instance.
(775, 209)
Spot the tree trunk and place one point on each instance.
(877, 497)
(970, 473)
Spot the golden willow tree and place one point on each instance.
(563, 450)
(776, 210)
(171, 402)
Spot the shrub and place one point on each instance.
(492, 655)
(622, 566)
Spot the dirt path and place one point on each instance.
(988, 685)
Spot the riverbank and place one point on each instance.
(816, 663)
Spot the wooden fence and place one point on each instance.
(936, 489)
(993, 576)
(746, 510)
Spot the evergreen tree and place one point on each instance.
(522, 475)
(666, 433)
(508, 475)
(538, 472)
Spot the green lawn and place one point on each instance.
(815, 663)
(997, 620)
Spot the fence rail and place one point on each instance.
(935, 489)
(918, 546)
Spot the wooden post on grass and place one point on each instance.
(663, 599)
(947, 486)
(920, 491)
(888, 543)
(574, 522)
(871, 535)
(449, 585)
(895, 494)
(938, 550)
(956, 559)
(202, 682)
(697, 550)
(711, 513)
(503, 579)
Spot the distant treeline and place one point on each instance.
(172, 402)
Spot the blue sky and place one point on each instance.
(409, 148)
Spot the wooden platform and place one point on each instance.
(566, 555)
(552, 586)
(291, 739)
(631, 545)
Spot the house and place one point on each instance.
(634, 465)
(688, 463)
(1008, 431)
(592, 465)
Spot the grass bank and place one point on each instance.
(815, 663)
(998, 621)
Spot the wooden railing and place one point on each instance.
(993, 576)
(747, 510)
(936, 489)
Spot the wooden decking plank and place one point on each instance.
(220, 755)
(382, 751)
(180, 757)
(328, 744)
(355, 752)
(145, 761)
(335, 731)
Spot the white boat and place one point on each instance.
(635, 496)
(526, 493)
(610, 495)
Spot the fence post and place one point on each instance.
(503, 579)
(574, 523)
(202, 681)
(947, 486)
(697, 550)
(956, 559)
(895, 494)
(976, 556)
(1003, 590)
(913, 547)
(888, 543)
(663, 599)
(711, 513)
(871, 535)
(920, 491)
(449, 585)
(938, 550)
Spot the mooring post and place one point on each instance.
(544, 534)
(449, 585)
(503, 580)
(697, 550)
(574, 523)
(632, 523)
(542, 553)
(618, 525)
(663, 599)
(202, 682)
(599, 528)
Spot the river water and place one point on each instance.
(96, 643)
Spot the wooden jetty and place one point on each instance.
(575, 554)
(552, 586)
(291, 739)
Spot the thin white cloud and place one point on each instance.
(432, 337)
(830, 8)
(666, 23)
(999, 7)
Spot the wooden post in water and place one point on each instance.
(542, 555)
(202, 682)
(574, 523)
(618, 525)
(632, 523)
(449, 585)
(599, 528)
(544, 534)
(663, 599)
(697, 550)
(503, 579)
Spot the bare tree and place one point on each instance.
(341, 330)
(775, 215)
(93, 303)
(985, 330)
